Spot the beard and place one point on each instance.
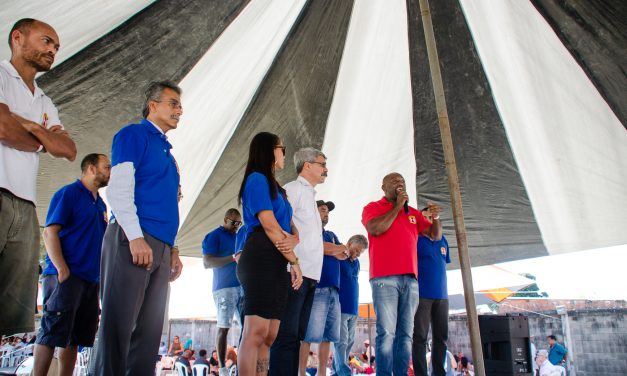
(101, 180)
(38, 59)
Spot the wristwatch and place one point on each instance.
(295, 262)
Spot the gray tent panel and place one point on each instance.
(595, 33)
(100, 89)
(292, 102)
(497, 211)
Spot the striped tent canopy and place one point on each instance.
(536, 91)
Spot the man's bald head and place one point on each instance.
(24, 26)
(392, 184)
(33, 42)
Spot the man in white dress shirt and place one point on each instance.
(311, 167)
(545, 367)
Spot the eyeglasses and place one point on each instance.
(322, 164)
(174, 104)
(234, 223)
(281, 147)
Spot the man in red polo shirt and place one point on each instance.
(393, 235)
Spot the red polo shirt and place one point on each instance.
(394, 251)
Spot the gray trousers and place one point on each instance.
(19, 253)
(133, 306)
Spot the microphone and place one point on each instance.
(406, 204)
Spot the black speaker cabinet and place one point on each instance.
(505, 342)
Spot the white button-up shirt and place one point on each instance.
(18, 169)
(306, 217)
(548, 369)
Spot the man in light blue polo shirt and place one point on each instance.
(349, 303)
(324, 320)
(138, 253)
(218, 249)
(75, 225)
(433, 255)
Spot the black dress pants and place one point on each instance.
(434, 313)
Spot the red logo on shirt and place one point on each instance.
(412, 219)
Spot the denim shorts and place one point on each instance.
(228, 301)
(70, 314)
(324, 321)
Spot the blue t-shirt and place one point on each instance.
(83, 220)
(220, 243)
(255, 198)
(156, 177)
(556, 353)
(349, 286)
(432, 259)
(330, 276)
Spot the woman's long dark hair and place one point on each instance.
(261, 160)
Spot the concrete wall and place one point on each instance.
(599, 337)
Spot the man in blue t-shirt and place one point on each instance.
(349, 303)
(75, 226)
(218, 249)
(324, 320)
(557, 352)
(138, 253)
(433, 255)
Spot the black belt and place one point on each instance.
(7, 192)
(11, 195)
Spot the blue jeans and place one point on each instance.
(324, 320)
(395, 299)
(228, 302)
(344, 345)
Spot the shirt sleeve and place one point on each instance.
(369, 213)
(121, 197)
(448, 253)
(293, 195)
(60, 210)
(3, 85)
(210, 244)
(128, 146)
(257, 193)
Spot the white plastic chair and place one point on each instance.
(181, 369)
(200, 370)
(233, 370)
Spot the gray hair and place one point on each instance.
(359, 239)
(306, 155)
(154, 90)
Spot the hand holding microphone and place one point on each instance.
(402, 197)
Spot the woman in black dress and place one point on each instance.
(270, 238)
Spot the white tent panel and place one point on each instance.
(219, 88)
(78, 23)
(369, 130)
(570, 148)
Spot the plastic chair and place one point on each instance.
(181, 369)
(233, 370)
(200, 370)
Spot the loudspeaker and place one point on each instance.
(505, 342)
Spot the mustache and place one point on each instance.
(324, 174)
